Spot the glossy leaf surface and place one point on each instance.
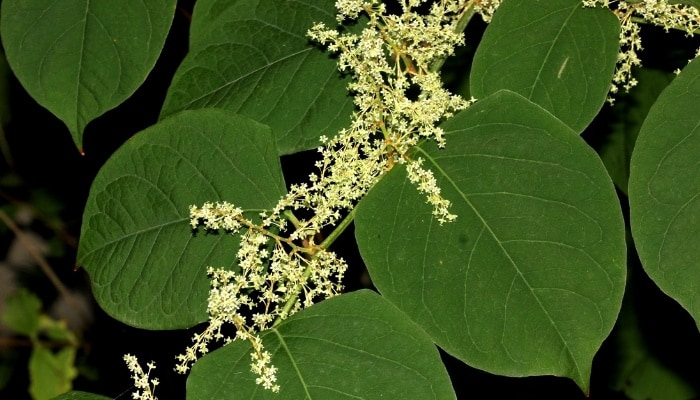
(80, 58)
(529, 279)
(354, 346)
(664, 190)
(556, 53)
(253, 57)
(146, 265)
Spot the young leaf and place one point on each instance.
(556, 53)
(146, 265)
(353, 346)
(664, 190)
(22, 312)
(253, 57)
(80, 58)
(51, 373)
(529, 279)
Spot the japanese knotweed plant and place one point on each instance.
(489, 227)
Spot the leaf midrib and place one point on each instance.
(452, 183)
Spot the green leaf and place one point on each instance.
(57, 330)
(51, 373)
(664, 191)
(146, 266)
(556, 53)
(630, 111)
(77, 395)
(529, 279)
(80, 58)
(354, 346)
(22, 311)
(253, 57)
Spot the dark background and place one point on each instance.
(41, 168)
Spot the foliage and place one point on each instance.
(527, 280)
(51, 371)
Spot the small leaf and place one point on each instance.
(556, 53)
(22, 311)
(146, 265)
(529, 279)
(51, 373)
(57, 330)
(253, 57)
(664, 191)
(354, 346)
(80, 58)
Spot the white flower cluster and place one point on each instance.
(399, 97)
(486, 8)
(400, 100)
(145, 385)
(425, 180)
(657, 12)
(274, 271)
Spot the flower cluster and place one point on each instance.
(657, 12)
(390, 58)
(486, 8)
(284, 264)
(145, 385)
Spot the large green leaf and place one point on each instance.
(529, 279)
(146, 266)
(556, 53)
(80, 58)
(253, 57)
(664, 191)
(354, 346)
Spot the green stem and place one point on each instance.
(339, 229)
(462, 22)
(289, 216)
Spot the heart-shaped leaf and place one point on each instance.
(664, 190)
(529, 279)
(556, 53)
(146, 266)
(80, 58)
(354, 346)
(253, 57)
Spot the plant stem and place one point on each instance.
(40, 260)
(339, 229)
(462, 22)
